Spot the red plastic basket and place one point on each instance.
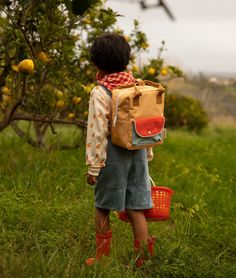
(161, 198)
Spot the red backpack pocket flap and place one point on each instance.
(149, 127)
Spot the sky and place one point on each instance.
(201, 39)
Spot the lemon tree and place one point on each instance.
(45, 71)
(45, 74)
(157, 69)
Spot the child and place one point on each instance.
(120, 176)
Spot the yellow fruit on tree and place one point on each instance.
(87, 21)
(15, 68)
(76, 100)
(59, 94)
(71, 116)
(5, 90)
(85, 113)
(88, 88)
(151, 71)
(135, 68)
(88, 72)
(6, 98)
(75, 37)
(42, 56)
(60, 104)
(127, 38)
(26, 65)
(164, 71)
(144, 45)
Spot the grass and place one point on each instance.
(46, 211)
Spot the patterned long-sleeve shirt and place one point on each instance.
(98, 131)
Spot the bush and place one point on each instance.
(182, 111)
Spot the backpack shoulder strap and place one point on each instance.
(106, 90)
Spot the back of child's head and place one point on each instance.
(110, 53)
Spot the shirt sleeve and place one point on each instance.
(97, 130)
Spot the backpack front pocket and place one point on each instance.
(148, 132)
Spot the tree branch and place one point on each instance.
(36, 144)
(43, 119)
(24, 135)
(26, 39)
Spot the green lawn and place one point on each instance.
(46, 211)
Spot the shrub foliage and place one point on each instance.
(183, 111)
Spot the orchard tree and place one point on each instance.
(45, 71)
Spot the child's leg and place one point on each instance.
(102, 220)
(142, 242)
(139, 224)
(103, 235)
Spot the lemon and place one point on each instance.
(88, 88)
(26, 65)
(60, 104)
(15, 68)
(59, 94)
(127, 38)
(87, 21)
(6, 98)
(76, 100)
(151, 71)
(164, 71)
(71, 116)
(5, 90)
(42, 56)
(135, 68)
(88, 72)
(144, 45)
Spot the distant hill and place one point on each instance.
(218, 100)
(220, 75)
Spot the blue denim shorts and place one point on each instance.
(124, 181)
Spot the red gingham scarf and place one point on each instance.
(113, 80)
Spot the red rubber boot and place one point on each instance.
(103, 244)
(144, 249)
(150, 245)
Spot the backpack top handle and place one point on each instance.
(156, 85)
(140, 82)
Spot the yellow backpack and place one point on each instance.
(137, 119)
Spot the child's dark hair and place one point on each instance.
(110, 53)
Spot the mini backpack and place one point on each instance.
(137, 115)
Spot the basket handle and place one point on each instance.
(152, 181)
